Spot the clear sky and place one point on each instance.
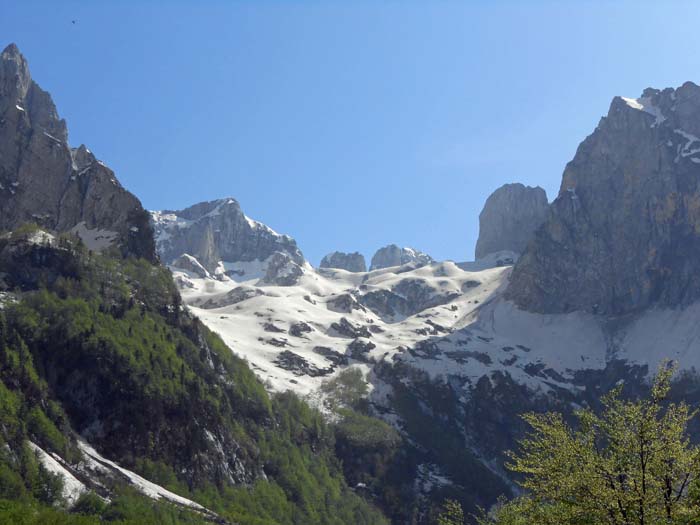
(348, 125)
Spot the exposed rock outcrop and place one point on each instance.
(345, 303)
(624, 231)
(44, 181)
(346, 328)
(188, 263)
(296, 364)
(352, 262)
(282, 270)
(406, 298)
(509, 219)
(393, 255)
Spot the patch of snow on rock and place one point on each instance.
(95, 239)
(72, 488)
(645, 104)
(99, 463)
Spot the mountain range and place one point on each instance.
(196, 356)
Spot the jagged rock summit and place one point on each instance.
(509, 219)
(624, 232)
(393, 255)
(226, 242)
(352, 262)
(44, 181)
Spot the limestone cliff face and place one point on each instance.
(44, 181)
(219, 231)
(624, 232)
(509, 219)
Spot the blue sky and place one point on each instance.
(348, 125)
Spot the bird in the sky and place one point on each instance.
(73, 22)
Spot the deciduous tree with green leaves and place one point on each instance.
(451, 513)
(631, 465)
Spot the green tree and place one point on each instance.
(347, 389)
(451, 513)
(631, 465)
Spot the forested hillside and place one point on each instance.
(99, 345)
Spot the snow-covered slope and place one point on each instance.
(439, 318)
(296, 336)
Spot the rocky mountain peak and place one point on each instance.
(218, 233)
(82, 157)
(14, 73)
(624, 231)
(11, 49)
(44, 181)
(393, 255)
(18, 91)
(352, 262)
(509, 219)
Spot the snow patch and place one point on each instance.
(645, 104)
(41, 238)
(687, 149)
(95, 239)
(99, 463)
(51, 137)
(660, 334)
(72, 488)
(260, 226)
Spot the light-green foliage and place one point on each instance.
(631, 465)
(451, 513)
(346, 389)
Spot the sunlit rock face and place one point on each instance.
(45, 181)
(509, 219)
(225, 241)
(624, 232)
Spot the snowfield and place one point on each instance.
(445, 319)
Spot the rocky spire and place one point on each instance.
(14, 74)
(509, 219)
